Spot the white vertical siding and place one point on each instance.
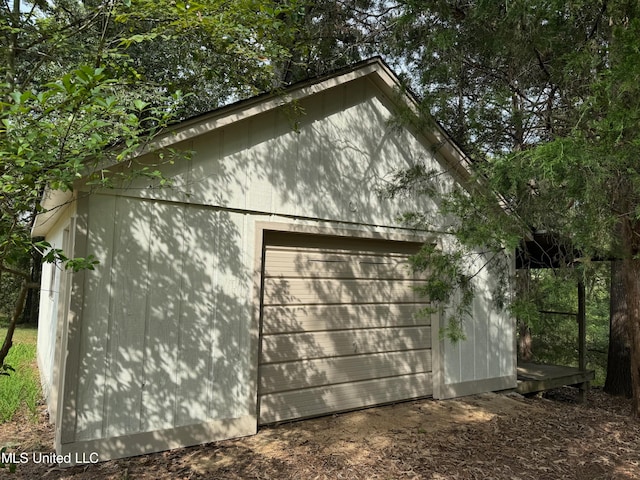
(129, 289)
(482, 323)
(93, 368)
(47, 323)
(327, 158)
(258, 184)
(49, 308)
(167, 318)
(485, 360)
(164, 304)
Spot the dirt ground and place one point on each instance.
(489, 436)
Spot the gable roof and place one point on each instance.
(375, 69)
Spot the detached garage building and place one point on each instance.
(268, 283)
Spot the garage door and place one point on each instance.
(339, 326)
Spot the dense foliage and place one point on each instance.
(552, 321)
(544, 95)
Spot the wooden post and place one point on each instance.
(582, 327)
(582, 338)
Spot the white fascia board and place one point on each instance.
(219, 119)
(54, 203)
(388, 82)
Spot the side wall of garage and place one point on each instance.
(53, 306)
(486, 359)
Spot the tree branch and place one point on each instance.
(543, 67)
(596, 24)
(15, 272)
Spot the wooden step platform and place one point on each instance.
(533, 378)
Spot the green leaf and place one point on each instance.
(140, 104)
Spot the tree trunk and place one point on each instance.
(12, 53)
(618, 380)
(8, 340)
(525, 347)
(525, 341)
(32, 305)
(631, 274)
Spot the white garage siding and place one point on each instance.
(340, 326)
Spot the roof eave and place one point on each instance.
(54, 203)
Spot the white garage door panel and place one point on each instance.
(280, 377)
(348, 245)
(322, 264)
(341, 326)
(348, 396)
(292, 291)
(294, 346)
(307, 318)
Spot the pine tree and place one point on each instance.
(544, 95)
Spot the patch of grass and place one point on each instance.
(21, 389)
(25, 334)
